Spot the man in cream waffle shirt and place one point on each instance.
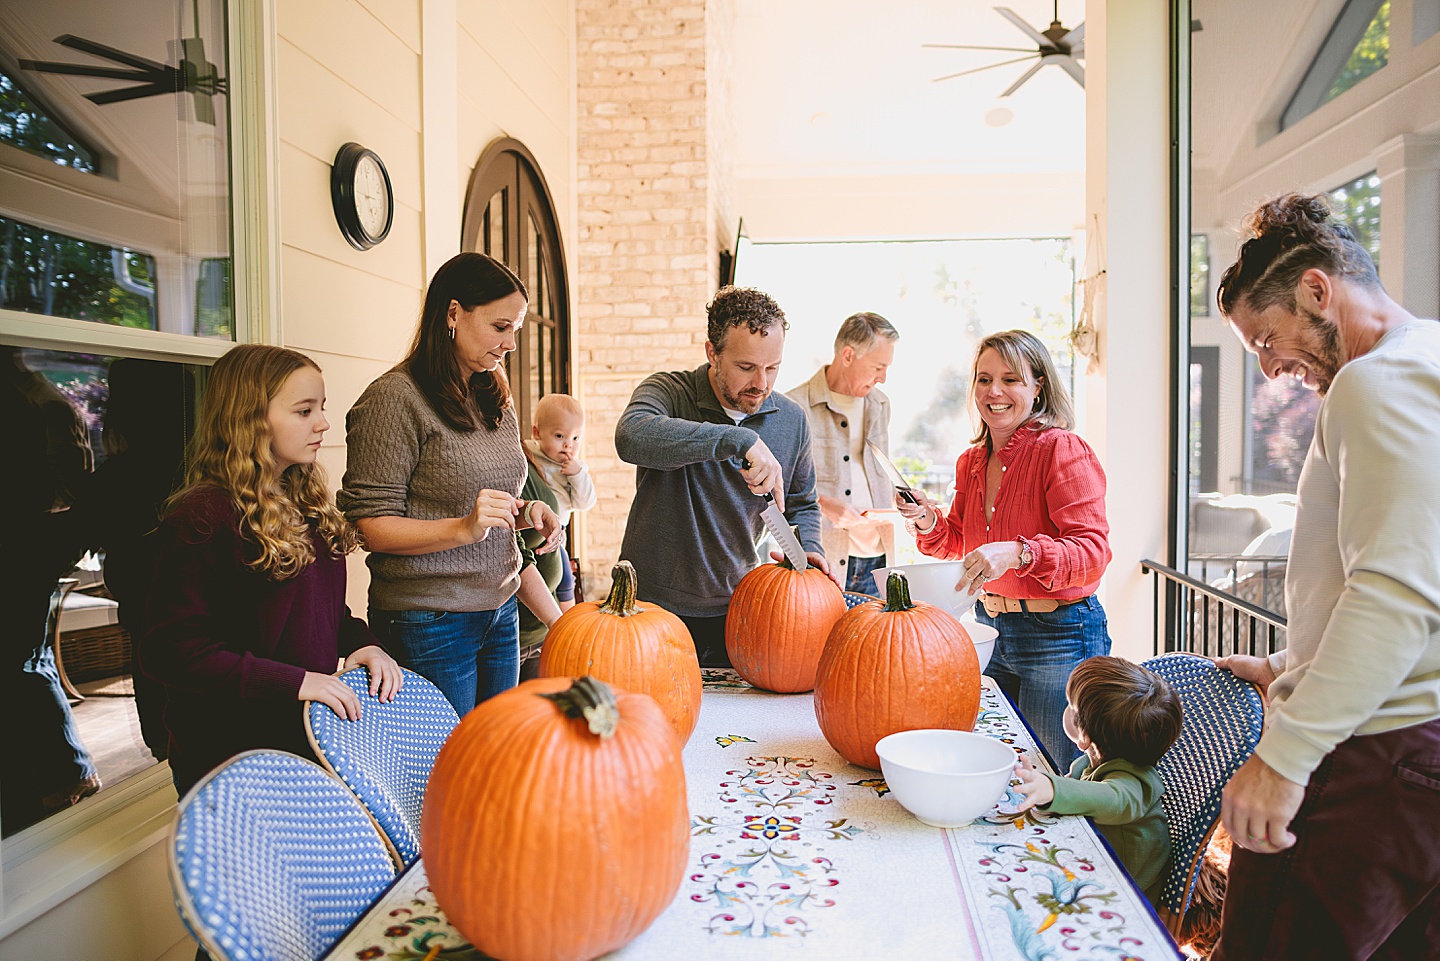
(1336, 817)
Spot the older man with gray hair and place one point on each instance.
(847, 412)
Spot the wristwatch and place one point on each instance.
(1026, 556)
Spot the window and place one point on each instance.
(1199, 275)
(1358, 45)
(1357, 205)
(510, 216)
(27, 125)
(117, 189)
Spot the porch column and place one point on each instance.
(1409, 169)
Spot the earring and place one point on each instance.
(452, 333)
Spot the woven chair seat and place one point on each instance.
(1224, 718)
(855, 599)
(385, 757)
(273, 859)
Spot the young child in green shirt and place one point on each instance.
(1122, 717)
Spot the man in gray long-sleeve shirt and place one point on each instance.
(707, 445)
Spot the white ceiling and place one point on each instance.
(844, 88)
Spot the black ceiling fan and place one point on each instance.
(1058, 45)
(194, 75)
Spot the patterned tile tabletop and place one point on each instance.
(795, 852)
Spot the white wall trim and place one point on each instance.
(254, 172)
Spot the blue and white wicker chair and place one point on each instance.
(385, 757)
(855, 599)
(273, 859)
(1224, 717)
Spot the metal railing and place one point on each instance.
(1193, 616)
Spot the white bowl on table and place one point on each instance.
(945, 778)
(933, 582)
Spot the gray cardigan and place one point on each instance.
(404, 461)
(694, 524)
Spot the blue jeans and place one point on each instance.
(1033, 658)
(858, 570)
(469, 655)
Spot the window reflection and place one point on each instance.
(95, 444)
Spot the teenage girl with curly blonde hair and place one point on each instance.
(246, 611)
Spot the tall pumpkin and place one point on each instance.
(555, 825)
(634, 646)
(777, 625)
(894, 666)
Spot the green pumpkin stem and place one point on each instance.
(591, 699)
(623, 587)
(897, 593)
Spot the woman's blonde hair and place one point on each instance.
(231, 450)
(1023, 352)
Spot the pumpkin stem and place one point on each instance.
(623, 588)
(897, 593)
(591, 699)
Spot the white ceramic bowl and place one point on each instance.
(984, 637)
(934, 583)
(945, 778)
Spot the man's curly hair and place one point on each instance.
(734, 306)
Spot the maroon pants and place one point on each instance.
(1363, 878)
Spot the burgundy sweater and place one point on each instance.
(231, 646)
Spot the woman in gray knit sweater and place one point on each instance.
(432, 482)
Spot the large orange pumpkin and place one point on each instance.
(894, 666)
(634, 646)
(555, 825)
(777, 624)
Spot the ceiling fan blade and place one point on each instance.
(84, 70)
(1076, 71)
(1026, 76)
(1029, 31)
(1075, 39)
(992, 66)
(967, 46)
(130, 93)
(106, 52)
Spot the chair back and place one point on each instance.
(272, 859)
(1224, 718)
(855, 599)
(385, 757)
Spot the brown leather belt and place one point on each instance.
(996, 605)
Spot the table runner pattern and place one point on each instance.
(793, 849)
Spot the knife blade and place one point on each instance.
(893, 472)
(778, 526)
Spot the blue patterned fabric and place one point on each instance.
(854, 599)
(385, 757)
(1224, 718)
(273, 859)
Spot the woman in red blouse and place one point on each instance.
(1028, 519)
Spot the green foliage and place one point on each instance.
(45, 272)
(1357, 206)
(1199, 275)
(1369, 55)
(24, 124)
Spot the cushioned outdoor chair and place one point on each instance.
(385, 757)
(1224, 717)
(272, 859)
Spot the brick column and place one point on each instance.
(649, 200)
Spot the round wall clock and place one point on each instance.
(360, 193)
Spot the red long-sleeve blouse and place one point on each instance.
(1052, 493)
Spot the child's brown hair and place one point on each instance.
(1129, 712)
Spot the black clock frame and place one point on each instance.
(342, 196)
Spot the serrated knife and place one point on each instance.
(776, 523)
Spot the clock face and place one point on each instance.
(372, 196)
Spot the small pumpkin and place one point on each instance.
(777, 625)
(894, 666)
(632, 645)
(555, 824)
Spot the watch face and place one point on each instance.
(372, 198)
